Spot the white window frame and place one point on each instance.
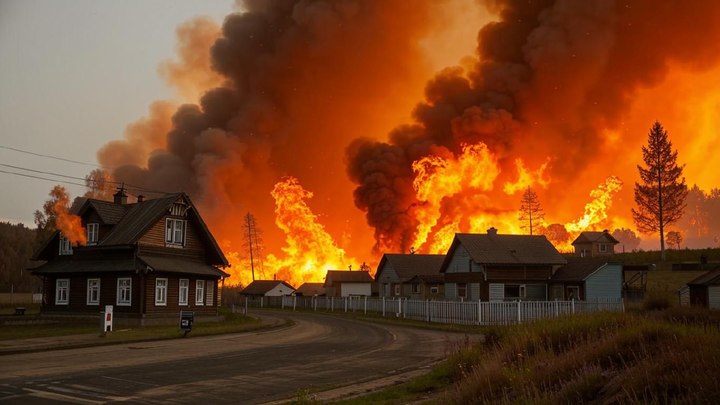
(65, 247)
(92, 233)
(62, 291)
(199, 292)
(175, 232)
(93, 285)
(397, 289)
(415, 288)
(602, 248)
(209, 293)
(161, 290)
(434, 289)
(184, 291)
(121, 301)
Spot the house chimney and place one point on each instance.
(120, 197)
(141, 198)
(492, 231)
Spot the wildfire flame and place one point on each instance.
(68, 224)
(309, 249)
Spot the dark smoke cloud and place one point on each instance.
(298, 81)
(550, 77)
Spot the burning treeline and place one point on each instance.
(311, 98)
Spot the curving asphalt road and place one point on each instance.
(318, 352)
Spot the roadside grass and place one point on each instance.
(30, 309)
(641, 357)
(232, 323)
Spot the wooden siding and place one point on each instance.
(173, 296)
(155, 236)
(78, 294)
(519, 273)
(606, 282)
(464, 277)
(460, 262)
(387, 274)
(141, 285)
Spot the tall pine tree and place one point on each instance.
(530, 210)
(660, 195)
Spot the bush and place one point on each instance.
(657, 302)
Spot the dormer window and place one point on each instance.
(65, 246)
(92, 233)
(174, 232)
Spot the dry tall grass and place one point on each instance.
(661, 357)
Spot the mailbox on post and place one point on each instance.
(186, 321)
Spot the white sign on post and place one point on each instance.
(108, 318)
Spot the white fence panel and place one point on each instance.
(450, 312)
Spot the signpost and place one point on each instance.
(106, 320)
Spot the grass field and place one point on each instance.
(233, 323)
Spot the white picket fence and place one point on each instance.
(449, 312)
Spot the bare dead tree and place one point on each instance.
(530, 210)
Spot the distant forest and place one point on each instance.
(17, 245)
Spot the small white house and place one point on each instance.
(268, 288)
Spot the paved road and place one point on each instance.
(317, 352)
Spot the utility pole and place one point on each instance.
(252, 241)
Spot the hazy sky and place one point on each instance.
(73, 74)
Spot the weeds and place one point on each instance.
(619, 358)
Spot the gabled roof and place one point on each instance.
(109, 212)
(261, 287)
(594, 237)
(131, 221)
(139, 218)
(409, 265)
(712, 277)
(309, 289)
(496, 249)
(345, 276)
(578, 269)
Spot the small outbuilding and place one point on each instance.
(311, 290)
(267, 288)
(705, 290)
(587, 279)
(343, 283)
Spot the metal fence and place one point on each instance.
(450, 312)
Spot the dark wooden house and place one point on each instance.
(495, 267)
(414, 276)
(149, 259)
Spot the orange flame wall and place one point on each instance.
(557, 96)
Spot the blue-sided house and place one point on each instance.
(587, 279)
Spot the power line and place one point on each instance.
(42, 172)
(126, 185)
(49, 156)
(42, 178)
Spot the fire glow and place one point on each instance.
(555, 96)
